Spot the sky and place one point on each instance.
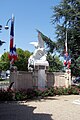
(29, 16)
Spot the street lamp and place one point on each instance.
(12, 55)
(11, 19)
(6, 26)
(11, 39)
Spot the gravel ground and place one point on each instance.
(50, 108)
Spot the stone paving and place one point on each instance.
(50, 108)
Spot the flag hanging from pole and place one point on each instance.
(67, 59)
(12, 53)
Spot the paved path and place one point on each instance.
(51, 108)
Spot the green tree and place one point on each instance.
(21, 63)
(4, 62)
(55, 64)
(67, 17)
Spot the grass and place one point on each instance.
(4, 81)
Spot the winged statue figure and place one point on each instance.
(39, 54)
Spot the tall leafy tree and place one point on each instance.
(55, 64)
(4, 62)
(21, 63)
(66, 15)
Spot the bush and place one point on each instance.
(51, 91)
(59, 90)
(32, 93)
(20, 95)
(8, 95)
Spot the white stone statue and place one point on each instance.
(39, 55)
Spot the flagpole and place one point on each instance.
(12, 39)
(68, 71)
(12, 54)
(66, 43)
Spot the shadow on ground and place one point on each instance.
(14, 111)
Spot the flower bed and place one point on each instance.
(20, 95)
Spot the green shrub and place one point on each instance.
(51, 91)
(20, 95)
(31, 93)
(8, 95)
(37, 92)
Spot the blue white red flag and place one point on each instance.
(67, 59)
(12, 53)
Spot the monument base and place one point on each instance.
(41, 79)
(41, 75)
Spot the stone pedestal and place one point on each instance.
(40, 76)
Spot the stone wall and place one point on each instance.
(59, 79)
(21, 79)
(25, 80)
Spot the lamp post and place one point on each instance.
(12, 54)
(11, 39)
(6, 26)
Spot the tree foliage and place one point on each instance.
(51, 45)
(67, 17)
(55, 64)
(4, 62)
(21, 63)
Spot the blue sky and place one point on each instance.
(29, 16)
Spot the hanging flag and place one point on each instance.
(15, 56)
(12, 54)
(11, 39)
(67, 59)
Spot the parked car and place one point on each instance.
(7, 74)
(3, 75)
(76, 80)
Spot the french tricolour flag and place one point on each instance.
(67, 59)
(12, 53)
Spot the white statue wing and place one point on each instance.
(34, 43)
(40, 40)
